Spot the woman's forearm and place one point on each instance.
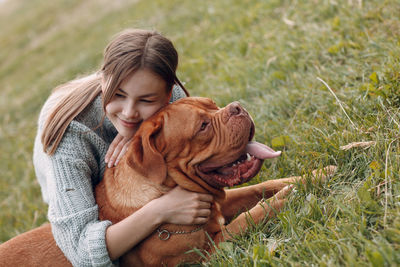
(126, 234)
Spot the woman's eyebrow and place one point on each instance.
(119, 89)
(149, 95)
(145, 95)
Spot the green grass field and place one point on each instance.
(316, 75)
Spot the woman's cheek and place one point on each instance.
(112, 107)
(151, 110)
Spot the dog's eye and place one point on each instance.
(204, 125)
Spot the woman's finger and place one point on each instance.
(200, 220)
(114, 155)
(206, 197)
(118, 151)
(204, 205)
(123, 151)
(112, 147)
(205, 213)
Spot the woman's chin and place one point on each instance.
(127, 132)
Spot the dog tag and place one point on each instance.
(164, 235)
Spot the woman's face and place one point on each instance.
(139, 96)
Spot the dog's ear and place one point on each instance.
(143, 155)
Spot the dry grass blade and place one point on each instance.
(337, 99)
(358, 144)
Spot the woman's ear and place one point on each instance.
(143, 155)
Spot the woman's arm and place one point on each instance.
(178, 206)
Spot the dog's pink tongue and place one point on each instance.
(261, 151)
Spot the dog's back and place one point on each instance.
(36, 247)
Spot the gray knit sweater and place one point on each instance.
(68, 178)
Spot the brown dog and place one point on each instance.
(191, 143)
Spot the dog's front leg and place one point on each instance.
(248, 197)
(264, 210)
(242, 199)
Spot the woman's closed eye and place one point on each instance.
(147, 100)
(120, 93)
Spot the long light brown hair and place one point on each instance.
(128, 52)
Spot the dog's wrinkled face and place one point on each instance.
(203, 144)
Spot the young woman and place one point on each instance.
(85, 125)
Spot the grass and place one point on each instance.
(269, 56)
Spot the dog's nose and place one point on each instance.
(235, 109)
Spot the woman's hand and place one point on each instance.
(180, 206)
(116, 150)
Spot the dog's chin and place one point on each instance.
(235, 173)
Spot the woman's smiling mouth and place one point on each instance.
(129, 124)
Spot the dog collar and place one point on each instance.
(164, 234)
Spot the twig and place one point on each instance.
(387, 181)
(337, 99)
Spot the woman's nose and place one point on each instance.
(129, 111)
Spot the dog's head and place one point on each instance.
(199, 146)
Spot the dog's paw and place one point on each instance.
(324, 174)
(281, 194)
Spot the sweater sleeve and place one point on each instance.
(73, 212)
